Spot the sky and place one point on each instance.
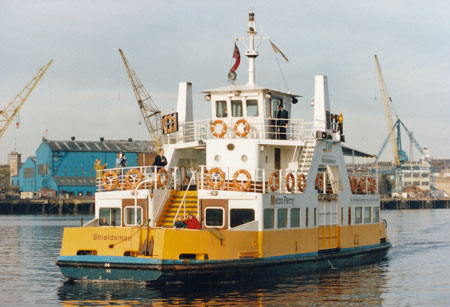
(86, 92)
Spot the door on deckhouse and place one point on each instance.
(328, 225)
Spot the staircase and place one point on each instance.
(304, 161)
(167, 216)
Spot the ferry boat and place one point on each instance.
(268, 192)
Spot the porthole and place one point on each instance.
(217, 158)
(244, 158)
(230, 146)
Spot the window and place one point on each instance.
(408, 175)
(282, 218)
(214, 217)
(109, 217)
(252, 108)
(367, 215)
(425, 183)
(307, 217)
(268, 218)
(236, 108)
(28, 172)
(129, 216)
(376, 214)
(349, 215)
(241, 216)
(425, 175)
(342, 216)
(315, 216)
(416, 175)
(221, 108)
(358, 215)
(295, 217)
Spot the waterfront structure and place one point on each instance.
(67, 167)
(258, 191)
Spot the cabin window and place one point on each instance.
(252, 108)
(349, 215)
(109, 217)
(282, 218)
(221, 108)
(315, 216)
(358, 215)
(275, 103)
(214, 217)
(241, 216)
(376, 214)
(236, 108)
(307, 217)
(295, 217)
(129, 216)
(342, 216)
(367, 215)
(268, 218)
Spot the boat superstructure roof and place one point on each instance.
(246, 88)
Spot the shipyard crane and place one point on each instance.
(8, 113)
(149, 110)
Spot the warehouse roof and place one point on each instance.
(74, 181)
(101, 146)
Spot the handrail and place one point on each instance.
(216, 234)
(164, 198)
(183, 200)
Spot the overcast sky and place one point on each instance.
(86, 92)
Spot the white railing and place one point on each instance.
(226, 179)
(203, 130)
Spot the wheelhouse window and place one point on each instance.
(295, 217)
(109, 217)
(252, 108)
(282, 218)
(376, 214)
(358, 215)
(236, 108)
(307, 217)
(367, 215)
(129, 216)
(241, 216)
(268, 219)
(221, 108)
(214, 217)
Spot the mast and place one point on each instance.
(251, 53)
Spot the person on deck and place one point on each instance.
(282, 123)
(192, 222)
(160, 159)
(118, 159)
(99, 167)
(180, 223)
(340, 122)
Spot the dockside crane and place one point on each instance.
(8, 113)
(149, 110)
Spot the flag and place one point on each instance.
(237, 56)
(277, 50)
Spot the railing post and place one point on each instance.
(175, 181)
(264, 180)
(201, 176)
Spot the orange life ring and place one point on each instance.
(362, 185)
(301, 182)
(372, 185)
(214, 126)
(110, 180)
(241, 186)
(246, 128)
(133, 178)
(274, 184)
(161, 183)
(164, 125)
(290, 182)
(319, 182)
(215, 185)
(353, 184)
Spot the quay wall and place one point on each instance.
(414, 203)
(47, 206)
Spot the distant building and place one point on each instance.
(15, 163)
(416, 174)
(67, 167)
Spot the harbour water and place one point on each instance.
(415, 273)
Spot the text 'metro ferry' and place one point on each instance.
(267, 195)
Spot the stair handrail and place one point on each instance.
(184, 197)
(163, 199)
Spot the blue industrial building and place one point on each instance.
(67, 167)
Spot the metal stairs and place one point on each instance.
(305, 158)
(172, 205)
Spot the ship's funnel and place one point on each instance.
(184, 102)
(322, 120)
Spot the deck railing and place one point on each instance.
(237, 128)
(226, 179)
